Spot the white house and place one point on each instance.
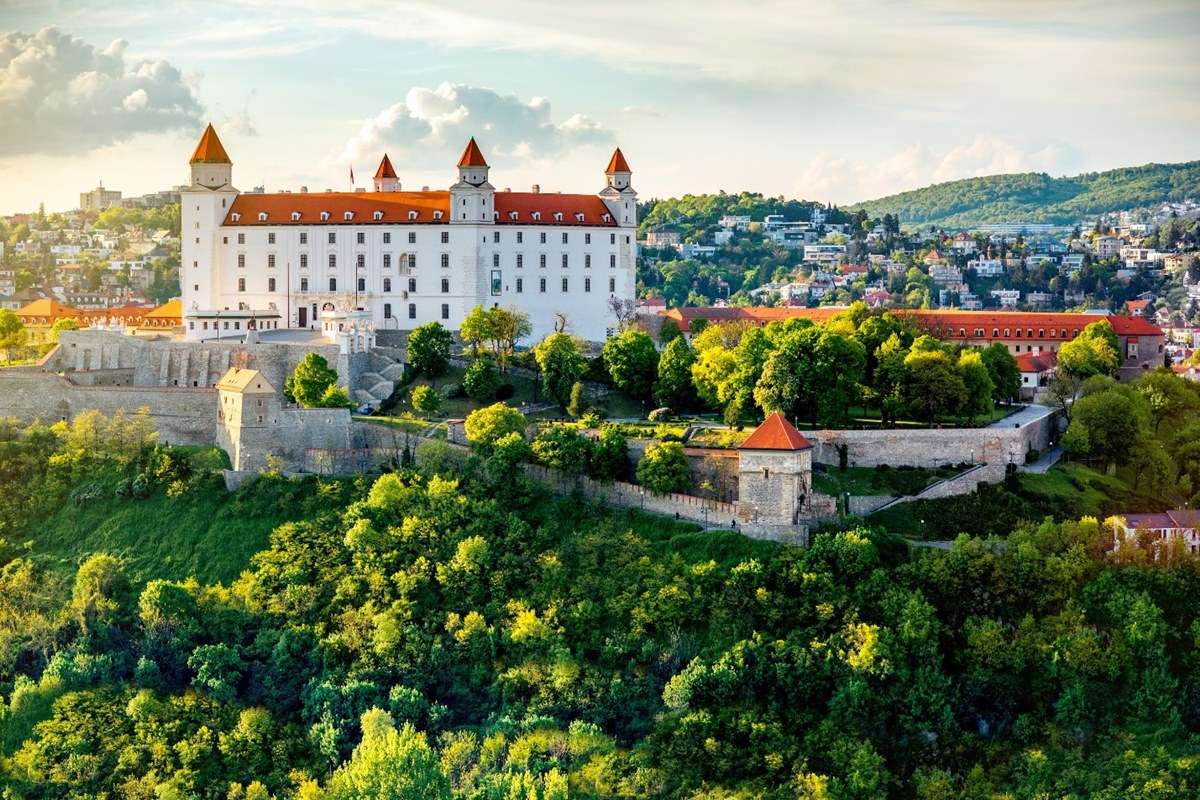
(255, 260)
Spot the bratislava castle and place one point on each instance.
(281, 260)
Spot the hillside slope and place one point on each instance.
(1037, 197)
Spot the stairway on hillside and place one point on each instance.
(377, 385)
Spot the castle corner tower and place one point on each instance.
(386, 179)
(471, 198)
(618, 194)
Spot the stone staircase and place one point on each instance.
(377, 385)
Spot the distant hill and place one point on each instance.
(1037, 197)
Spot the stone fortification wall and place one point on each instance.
(162, 361)
(181, 416)
(935, 447)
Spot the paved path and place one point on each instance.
(1028, 414)
(1047, 460)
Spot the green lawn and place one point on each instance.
(874, 481)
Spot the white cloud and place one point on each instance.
(444, 118)
(59, 94)
(239, 123)
(844, 181)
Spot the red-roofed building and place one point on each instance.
(403, 258)
(1036, 371)
(774, 473)
(1179, 527)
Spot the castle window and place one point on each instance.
(241, 284)
(537, 217)
(271, 238)
(360, 261)
(437, 215)
(412, 310)
(520, 260)
(349, 215)
(362, 284)
(612, 237)
(412, 284)
(387, 284)
(579, 216)
(1041, 333)
(271, 260)
(445, 286)
(558, 217)
(520, 285)
(387, 310)
(612, 285)
(360, 238)
(303, 237)
(262, 216)
(296, 217)
(270, 284)
(304, 261)
(495, 259)
(606, 217)
(587, 260)
(612, 261)
(513, 216)
(766, 473)
(378, 215)
(304, 284)
(241, 238)
(332, 261)
(445, 260)
(445, 311)
(235, 216)
(520, 235)
(587, 237)
(564, 284)
(333, 284)
(587, 284)
(333, 237)
(387, 237)
(542, 285)
(445, 237)
(412, 237)
(564, 260)
(242, 260)
(542, 260)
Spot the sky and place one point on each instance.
(827, 101)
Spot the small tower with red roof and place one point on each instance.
(471, 199)
(774, 473)
(385, 177)
(210, 164)
(618, 194)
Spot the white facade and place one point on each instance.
(404, 258)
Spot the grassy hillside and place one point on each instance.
(1037, 197)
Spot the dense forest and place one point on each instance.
(1037, 197)
(450, 632)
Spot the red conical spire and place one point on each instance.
(776, 433)
(472, 156)
(617, 163)
(385, 169)
(210, 151)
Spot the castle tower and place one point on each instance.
(204, 204)
(385, 176)
(248, 413)
(618, 194)
(774, 473)
(211, 167)
(471, 199)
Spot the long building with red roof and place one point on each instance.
(405, 257)
(1141, 341)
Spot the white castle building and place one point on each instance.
(402, 258)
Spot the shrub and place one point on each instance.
(578, 400)
(481, 380)
(664, 468)
(426, 399)
(610, 456)
(486, 426)
(563, 448)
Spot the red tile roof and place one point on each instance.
(472, 156)
(1036, 362)
(617, 163)
(210, 151)
(776, 433)
(395, 208)
(385, 168)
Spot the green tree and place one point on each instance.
(977, 383)
(932, 386)
(481, 380)
(1095, 351)
(664, 468)
(389, 765)
(561, 364)
(563, 448)
(60, 325)
(336, 397)
(669, 332)
(578, 402)
(632, 361)
(476, 328)
(429, 349)
(674, 385)
(813, 374)
(101, 596)
(610, 455)
(1170, 398)
(309, 381)
(1003, 371)
(13, 335)
(426, 399)
(485, 426)
(1106, 424)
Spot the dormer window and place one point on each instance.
(495, 215)
(558, 216)
(262, 216)
(579, 216)
(235, 216)
(437, 215)
(378, 215)
(349, 215)
(607, 217)
(512, 215)
(324, 216)
(295, 216)
(412, 215)
(537, 216)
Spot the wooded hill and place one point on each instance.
(1036, 197)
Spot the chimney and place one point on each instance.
(424, 188)
(303, 190)
(358, 189)
(537, 189)
(507, 189)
